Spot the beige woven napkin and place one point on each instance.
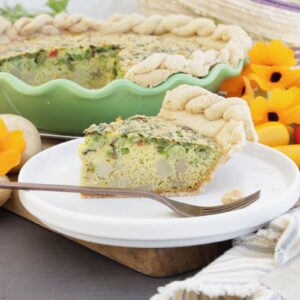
(285, 280)
(245, 271)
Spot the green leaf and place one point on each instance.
(58, 5)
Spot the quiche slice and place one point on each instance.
(174, 153)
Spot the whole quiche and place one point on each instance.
(143, 49)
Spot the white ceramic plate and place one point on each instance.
(146, 223)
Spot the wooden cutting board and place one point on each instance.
(157, 262)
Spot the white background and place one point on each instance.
(92, 8)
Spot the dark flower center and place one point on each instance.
(272, 116)
(243, 90)
(275, 77)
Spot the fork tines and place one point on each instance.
(232, 206)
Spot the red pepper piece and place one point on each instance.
(297, 134)
(53, 53)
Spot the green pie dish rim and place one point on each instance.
(63, 106)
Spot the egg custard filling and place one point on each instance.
(90, 60)
(89, 66)
(146, 153)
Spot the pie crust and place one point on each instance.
(227, 120)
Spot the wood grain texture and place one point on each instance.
(157, 262)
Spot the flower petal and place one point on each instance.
(281, 100)
(259, 54)
(8, 160)
(259, 110)
(246, 71)
(263, 76)
(264, 84)
(296, 94)
(233, 86)
(280, 55)
(289, 77)
(291, 115)
(3, 129)
(249, 93)
(296, 83)
(14, 140)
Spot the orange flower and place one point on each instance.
(273, 54)
(235, 86)
(269, 78)
(12, 145)
(283, 106)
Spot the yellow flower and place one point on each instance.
(249, 92)
(235, 86)
(269, 78)
(12, 145)
(282, 106)
(292, 115)
(273, 54)
(296, 83)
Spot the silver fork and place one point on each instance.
(182, 209)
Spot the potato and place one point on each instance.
(31, 135)
(4, 194)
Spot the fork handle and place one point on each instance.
(74, 189)
(89, 191)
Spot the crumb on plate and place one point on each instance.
(232, 196)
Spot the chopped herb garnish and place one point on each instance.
(40, 57)
(196, 162)
(61, 61)
(179, 133)
(87, 53)
(78, 57)
(69, 61)
(124, 150)
(88, 150)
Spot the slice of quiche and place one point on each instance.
(174, 153)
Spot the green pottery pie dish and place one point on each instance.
(67, 72)
(63, 106)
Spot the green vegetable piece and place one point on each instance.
(176, 151)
